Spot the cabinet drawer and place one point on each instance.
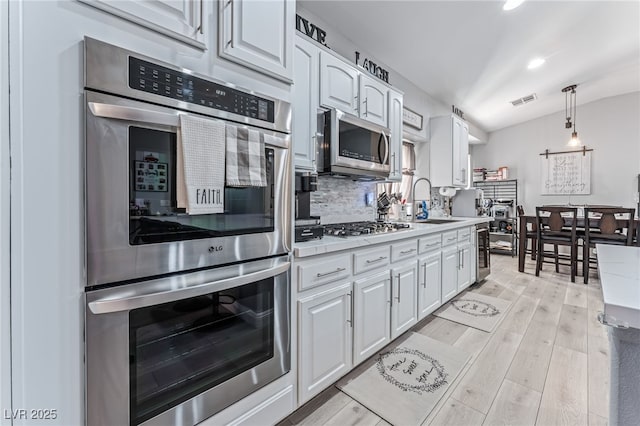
(464, 235)
(404, 250)
(450, 237)
(323, 271)
(427, 244)
(370, 259)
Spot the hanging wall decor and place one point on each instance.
(566, 172)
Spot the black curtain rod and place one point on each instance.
(584, 149)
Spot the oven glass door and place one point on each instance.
(153, 213)
(180, 349)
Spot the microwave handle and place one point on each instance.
(121, 112)
(117, 304)
(386, 152)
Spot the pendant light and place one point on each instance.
(570, 113)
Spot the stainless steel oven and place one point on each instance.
(176, 350)
(351, 146)
(185, 314)
(135, 229)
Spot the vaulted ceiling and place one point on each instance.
(474, 54)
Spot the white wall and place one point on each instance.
(610, 126)
(47, 212)
(5, 341)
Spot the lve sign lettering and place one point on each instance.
(310, 30)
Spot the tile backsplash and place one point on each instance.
(342, 200)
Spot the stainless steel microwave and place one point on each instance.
(351, 146)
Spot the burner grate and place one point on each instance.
(354, 229)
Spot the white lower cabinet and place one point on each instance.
(429, 283)
(372, 315)
(404, 306)
(464, 269)
(450, 264)
(325, 339)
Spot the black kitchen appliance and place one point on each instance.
(307, 227)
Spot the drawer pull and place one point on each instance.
(376, 260)
(450, 240)
(407, 251)
(432, 244)
(319, 275)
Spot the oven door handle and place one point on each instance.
(121, 112)
(141, 115)
(118, 304)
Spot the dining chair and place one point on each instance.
(605, 225)
(530, 234)
(557, 226)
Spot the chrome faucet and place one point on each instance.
(413, 194)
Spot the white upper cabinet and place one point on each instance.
(449, 151)
(183, 20)
(259, 35)
(338, 84)
(306, 88)
(373, 100)
(395, 144)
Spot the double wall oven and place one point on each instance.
(185, 314)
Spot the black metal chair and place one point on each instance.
(605, 225)
(557, 226)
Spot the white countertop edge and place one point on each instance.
(619, 269)
(330, 244)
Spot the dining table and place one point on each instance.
(531, 219)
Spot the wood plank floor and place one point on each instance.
(546, 364)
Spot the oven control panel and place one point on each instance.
(163, 81)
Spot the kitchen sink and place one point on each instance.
(436, 221)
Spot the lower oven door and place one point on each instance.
(177, 350)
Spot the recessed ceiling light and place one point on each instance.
(535, 63)
(511, 4)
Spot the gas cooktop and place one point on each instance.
(354, 229)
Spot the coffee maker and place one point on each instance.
(307, 227)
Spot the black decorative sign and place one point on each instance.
(311, 30)
(458, 112)
(373, 68)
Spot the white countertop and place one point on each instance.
(619, 269)
(329, 244)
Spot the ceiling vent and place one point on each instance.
(524, 100)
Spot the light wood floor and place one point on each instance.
(546, 364)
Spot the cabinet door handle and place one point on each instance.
(366, 107)
(407, 251)
(376, 260)
(463, 177)
(424, 271)
(230, 42)
(319, 275)
(393, 162)
(398, 298)
(350, 320)
(199, 29)
(355, 102)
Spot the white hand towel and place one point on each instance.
(201, 161)
(245, 157)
